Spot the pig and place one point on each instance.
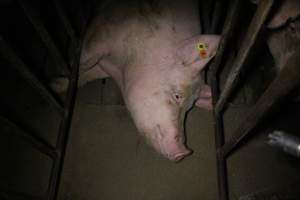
(155, 53)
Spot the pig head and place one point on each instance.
(159, 95)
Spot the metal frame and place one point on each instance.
(290, 76)
(57, 152)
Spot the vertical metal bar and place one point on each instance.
(287, 80)
(44, 35)
(261, 14)
(229, 24)
(75, 50)
(18, 65)
(216, 17)
(205, 12)
(65, 126)
(62, 15)
(33, 140)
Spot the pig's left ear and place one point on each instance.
(197, 51)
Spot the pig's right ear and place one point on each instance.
(197, 51)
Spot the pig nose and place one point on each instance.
(181, 155)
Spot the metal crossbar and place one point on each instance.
(258, 20)
(17, 63)
(290, 76)
(44, 34)
(57, 152)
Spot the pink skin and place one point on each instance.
(159, 95)
(204, 100)
(156, 64)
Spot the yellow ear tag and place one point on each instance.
(201, 47)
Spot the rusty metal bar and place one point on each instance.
(62, 15)
(34, 140)
(229, 24)
(285, 82)
(20, 66)
(261, 14)
(44, 35)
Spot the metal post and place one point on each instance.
(261, 14)
(65, 126)
(287, 80)
(216, 17)
(20, 66)
(230, 23)
(205, 12)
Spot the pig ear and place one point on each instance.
(204, 99)
(197, 51)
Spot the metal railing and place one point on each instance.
(289, 75)
(55, 152)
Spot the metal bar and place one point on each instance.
(62, 15)
(65, 125)
(286, 81)
(55, 178)
(34, 140)
(261, 14)
(44, 35)
(229, 24)
(20, 66)
(205, 11)
(216, 17)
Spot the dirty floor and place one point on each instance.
(106, 159)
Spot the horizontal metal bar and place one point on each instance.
(62, 15)
(286, 81)
(35, 141)
(259, 18)
(17, 63)
(44, 35)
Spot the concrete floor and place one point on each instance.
(106, 159)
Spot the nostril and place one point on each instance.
(177, 138)
(180, 156)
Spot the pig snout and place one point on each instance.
(179, 153)
(170, 145)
